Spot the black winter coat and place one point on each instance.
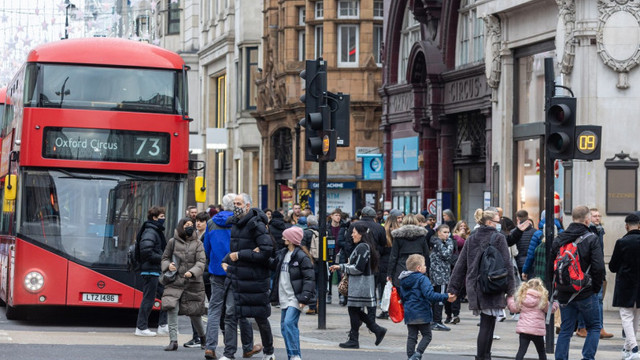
(308, 236)
(407, 240)
(249, 277)
(590, 255)
(465, 272)
(523, 245)
(301, 274)
(624, 262)
(276, 227)
(152, 245)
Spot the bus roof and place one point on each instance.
(105, 51)
(3, 95)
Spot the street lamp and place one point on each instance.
(66, 17)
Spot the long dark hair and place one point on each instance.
(367, 238)
(180, 227)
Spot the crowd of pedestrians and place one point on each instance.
(251, 261)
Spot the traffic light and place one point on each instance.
(561, 126)
(588, 142)
(340, 105)
(320, 137)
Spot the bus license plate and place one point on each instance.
(101, 298)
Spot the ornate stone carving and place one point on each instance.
(565, 39)
(492, 48)
(618, 36)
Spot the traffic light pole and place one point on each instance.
(548, 196)
(322, 220)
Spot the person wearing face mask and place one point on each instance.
(152, 244)
(184, 296)
(248, 280)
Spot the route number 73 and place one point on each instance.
(150, 145)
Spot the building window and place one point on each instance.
(221, 102)
(410, 34)
(250, 86)
(378, 9)
(348, 9)
(173, 18)
(301, 42)
(377, 43)
(319, 35)
(348, 45)
(470, 48)
(142, 26)
(319, 8)
(301, 15)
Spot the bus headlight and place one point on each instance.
(34, 281)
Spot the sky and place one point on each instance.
(28, 23)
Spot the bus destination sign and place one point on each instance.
(106, 145)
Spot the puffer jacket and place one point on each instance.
(216, 242)
(152, 245)
(301, 274)
(407, 240)
(532, 317)
(188, 292)
(417, 296)
(465, 272)
(248, 277)
(441, 256)
(276, 227)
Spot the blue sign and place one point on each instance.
(372, 166)
(405, 154)
(334, 185)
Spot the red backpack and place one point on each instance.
(567, 272)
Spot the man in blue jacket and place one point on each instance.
(216, 246)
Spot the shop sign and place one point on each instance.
(338, 199)
(334, 185)
(466, 89)
(405, 154)
(372, 167)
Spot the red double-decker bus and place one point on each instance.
(95, 133)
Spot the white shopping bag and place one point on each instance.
(386, 295)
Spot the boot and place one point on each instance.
(352, 342)
(173, 346)
(605, 335)
(581, 332)
(203, 342)
(383, 315)
(380, 333)
(416, 356)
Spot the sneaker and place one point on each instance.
(210, 355)
(256, 349)
(311, 312)
(447, 320)
(226, 358)
(295, 357)
(145, 332)
(626, 354)
(496, 337)
(163, 329)
(441, 327)
(455, 320)
(193, 343)
(634, 356)
(515, 317)
(269, 357)
(328, 301)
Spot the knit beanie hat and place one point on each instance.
(293, 235)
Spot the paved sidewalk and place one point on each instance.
(461, 340)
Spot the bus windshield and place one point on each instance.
(92, 218)
(102, 88)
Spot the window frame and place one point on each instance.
(348, 8)
(318, 10)
(318, 41)
(302, 15)
(173, 9)
(380, 8)
(249, 103)
(378, 34)
(340, 29)
(302, 38)
(470, 37)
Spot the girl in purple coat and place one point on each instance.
(532, 302)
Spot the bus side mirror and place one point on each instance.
(10, 187)
(200, 189)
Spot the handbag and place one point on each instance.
(343, 285)
(396, 309)
(169, 276)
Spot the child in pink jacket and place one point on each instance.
(532, 302)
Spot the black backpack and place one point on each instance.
(133, 257)
(493, 276)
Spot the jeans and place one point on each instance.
(215, 313)
(196, 320)
(412, 338)
(581, 319)
(569, 313)
(150, 287)
(630, 318)
(538, 341)
(290, 332)
(231, 329)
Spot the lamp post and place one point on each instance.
(66, 17)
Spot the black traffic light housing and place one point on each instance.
(320, 136)
(588, 142)
(561, 127)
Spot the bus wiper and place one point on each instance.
(84, 177)
(62, 91)
(135, 177)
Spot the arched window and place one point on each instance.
(410, 34)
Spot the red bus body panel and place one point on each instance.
(36, 119)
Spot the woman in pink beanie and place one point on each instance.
(293, 287)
